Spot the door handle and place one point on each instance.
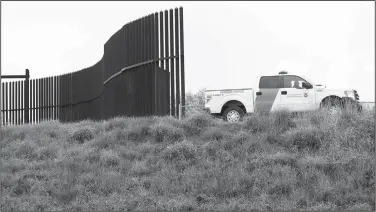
(283, 92)
(258, 93)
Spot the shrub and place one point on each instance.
(213, 133)
(196, 124)
(117, 123)
(109, 158)
(347, 118)
(180, 156)
(280, 189)
(282, 120)
(13, 133)
(24, 150)
(254, 146)
(22, 186)
(281, 158)
(365, 126)
(211, 149)
(83, 134)
(110, 182)
(165, 132)
(47, 152)
(92, 155)
(256, 123)
(140, 168)
(179, 151)
(306, 139)
(276, 138)
(239, 141)
(317, 118)
(140, 129)
(128, 153)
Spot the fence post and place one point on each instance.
(1, 108)
(26, 95)
(180, 112)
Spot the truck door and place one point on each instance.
(267, 94)
(293, 96)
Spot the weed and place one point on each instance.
(82, 135)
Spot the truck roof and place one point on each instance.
(229, 89)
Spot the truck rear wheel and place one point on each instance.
(233, 114)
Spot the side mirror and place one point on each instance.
(307, 85)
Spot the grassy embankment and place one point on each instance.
(314, 162)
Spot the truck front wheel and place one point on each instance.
(233, 114)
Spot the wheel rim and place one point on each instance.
(334, 108)
(233, 116)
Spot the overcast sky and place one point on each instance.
(227, 44)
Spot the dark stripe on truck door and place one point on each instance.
(269, 88)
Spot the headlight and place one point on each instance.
(350, 94)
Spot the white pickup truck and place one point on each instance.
(282, 91)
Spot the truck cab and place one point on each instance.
(286, 91)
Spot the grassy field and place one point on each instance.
(267, 162)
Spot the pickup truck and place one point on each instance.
(275, 92)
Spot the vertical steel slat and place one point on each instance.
(54, 98)
(70, 99)
(40, 100)
(13, 103)
(47, 93)
(141, 71)
(156, 64)
(27, 96)
(65, 98)
(58, 107)
(169, 92)
(49, 98)
(37, 101)
(162, 64)
(43, 95)
(17, 98)
(33, 92)
(6, 104)
(3, 100)
(61, 94)
(177, 61)
(171, 20)
(182, 61)
(45, 98)
(150, 88)
(22, 103)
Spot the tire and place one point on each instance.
(233, 114)
(332, 104)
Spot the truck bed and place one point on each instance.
(215, 99)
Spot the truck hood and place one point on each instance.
(333, 89)
(323, 87)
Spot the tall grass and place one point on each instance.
(280, 161)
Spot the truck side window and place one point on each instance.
(270, 82)
(293, 82)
